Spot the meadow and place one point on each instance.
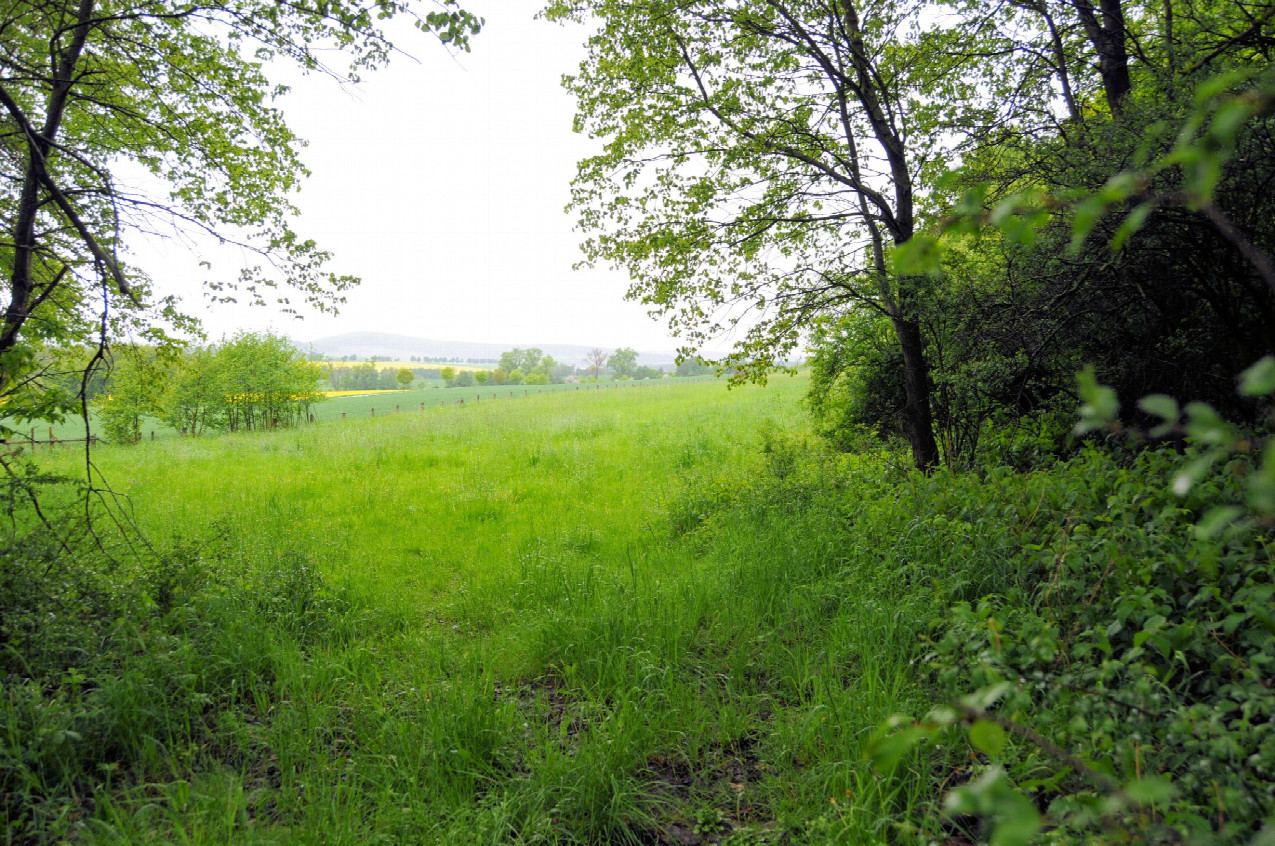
(664, 615)
(349, 404)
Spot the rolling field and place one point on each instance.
(454, 495)
(653, 615)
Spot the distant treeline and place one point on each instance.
(424, 359)
(514, 367)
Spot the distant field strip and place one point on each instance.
(365, 403)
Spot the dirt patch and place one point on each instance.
(712, 800)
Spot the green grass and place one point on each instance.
(358, 405)
(536, 649)
(658, 615)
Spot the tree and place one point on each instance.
(266, 381)
(623, 362)
(405, 378)
(93, 86)
(448, 375)
(693, 366)
(195, 400)
(775, 152)
(133, 393)
(482, 376)
(595, 360)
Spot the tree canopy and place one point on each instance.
(764, 159)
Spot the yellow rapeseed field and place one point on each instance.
(361, 393)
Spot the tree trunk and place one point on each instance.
(918, 422)
(1108, 39)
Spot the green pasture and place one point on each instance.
(356, 405)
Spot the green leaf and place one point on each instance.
(1216, 519)
(1153, 790)
(1159, 405)
(1206, 425)
(1133, 222)
(887, 751)
(1189, 475)
(987, 737)
(1017, 822)
(1259, 380)
(1099, 403)
(917, 257)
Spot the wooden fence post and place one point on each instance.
(342, 415)
(374, 412)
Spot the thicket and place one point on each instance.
(250, 381)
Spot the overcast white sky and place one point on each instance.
(442, 182)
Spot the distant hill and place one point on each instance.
(403, 347)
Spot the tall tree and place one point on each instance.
(623, 362)
(762, 158)
(595, 360)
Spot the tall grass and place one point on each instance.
(645, 616)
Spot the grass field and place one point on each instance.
(353, 404)
(653, 615)
(531, 645)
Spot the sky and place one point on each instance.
(441, 181)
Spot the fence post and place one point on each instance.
(342, 415)
(396, 409)
(33, 440)
(374, 412)
(152, 434)
(422, 406)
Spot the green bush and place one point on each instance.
(119, 671)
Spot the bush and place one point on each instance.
(119, 671)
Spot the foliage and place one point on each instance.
(91, 89)
(623, 363)
(527, 360)
(404, 377)
(133, 392)
(134, 660)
